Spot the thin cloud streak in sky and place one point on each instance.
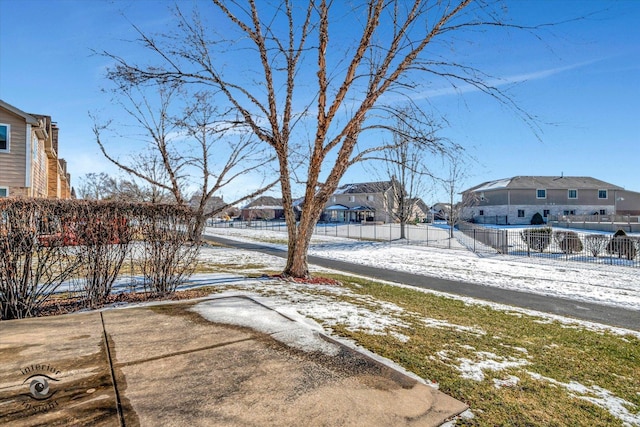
(498, 82)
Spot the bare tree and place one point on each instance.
(451, 184)
(187, 149)
(102, 186)
(406, 161)
(96, 186)
(306, 83)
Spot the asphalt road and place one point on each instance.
(608, 315)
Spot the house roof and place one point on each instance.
(364, 187)
(544, 182)
(337, 208)
(265, 202)
(27, 117)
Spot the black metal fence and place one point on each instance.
(545, 242)
(423, 234)
(534, 243)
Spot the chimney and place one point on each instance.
(54, 136)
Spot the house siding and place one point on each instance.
(13, 163)
(39, 171)
(511, 211)
(380, 209)
(53, 190)
(380, 204)
(504, 203)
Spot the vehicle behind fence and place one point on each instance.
(534, 242)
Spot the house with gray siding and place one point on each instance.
(516, 200)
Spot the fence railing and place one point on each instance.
(427, 235)
(621, 219)
(546, 242)
(530, 242)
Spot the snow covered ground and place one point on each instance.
(617, 286)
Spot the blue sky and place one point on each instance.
(581, 80)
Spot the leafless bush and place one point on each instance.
(104, 233)
(596, 243)
(45, 243)
(34, 257)
(537, 239)
(622, 245)
(568, 241)
(168, 254)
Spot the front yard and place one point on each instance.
(511, 367)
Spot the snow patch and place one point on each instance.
(486, 361)
(510, 381)
(234, 310)
(599, 397)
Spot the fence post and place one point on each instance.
(474, 240)
(505, 242)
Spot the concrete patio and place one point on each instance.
(167, 364)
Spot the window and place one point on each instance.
(602, 194)
(35, 156)
(333, 199)
(352, 198)
(573, 194)
(569, 212)
(482, 198)
(370, 198)
(520, 213)
(603, 212)
(481, 212)
(545, 213)
(541, 194)
(5, 136)
(4, 192)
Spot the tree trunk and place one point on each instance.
(297, 265)
(197, 227)
(402, 227)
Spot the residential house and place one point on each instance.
(516, 200)
(628, 203)
(420, 212)
(441, 211)
(368, 201)
(29, 163)
(264, 207)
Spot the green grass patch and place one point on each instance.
(468, 333)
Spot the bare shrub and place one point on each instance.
(105, 236)
(537, 239)
(596, 243)
(622, 245)
(168, 254)
(34, 256)
(568, 241)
